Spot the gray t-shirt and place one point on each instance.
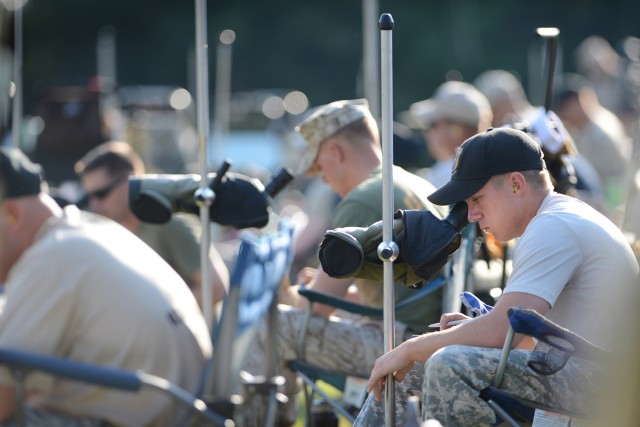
(578, 261)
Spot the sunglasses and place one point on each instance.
(105, 191)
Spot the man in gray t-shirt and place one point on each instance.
(570, 264)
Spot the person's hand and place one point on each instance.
(396, 362)
(306, 275)
(446, 318)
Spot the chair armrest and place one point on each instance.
(103, 376)
(341, 303)
(530, 322)
(422, 292)
(107, 377)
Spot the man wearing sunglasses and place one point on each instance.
(104, 175)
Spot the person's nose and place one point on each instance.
(473, 214)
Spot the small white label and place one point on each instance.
(579, 422)
(550, 419)
(355, 391)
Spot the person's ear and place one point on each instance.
(517, 182)
(12, 212)
(337, 151)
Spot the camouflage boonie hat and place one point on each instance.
(325, 122)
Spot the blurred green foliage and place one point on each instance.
(313, 46)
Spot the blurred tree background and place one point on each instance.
(312, 46)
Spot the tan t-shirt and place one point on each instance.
(90, 291)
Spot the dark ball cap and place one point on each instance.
(487, 154)
(18, 175)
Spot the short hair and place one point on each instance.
(540, 180)
(364, 128)
(117, 157)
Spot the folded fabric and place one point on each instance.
(475, 306)
(425, 244)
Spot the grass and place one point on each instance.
(332, 392)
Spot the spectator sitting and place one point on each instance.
(456, 112)
(571, 264)
(506, 96)
(343, 148)
(104, 173)
(80, 286)
(598, 134)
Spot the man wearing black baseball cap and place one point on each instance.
(486, 155)
(570, 264)
(80, 286)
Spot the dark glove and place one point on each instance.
(240, 200)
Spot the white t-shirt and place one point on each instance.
(439, 173)
(578, 261)
(90, 291)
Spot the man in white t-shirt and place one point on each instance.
(79, 286)
(570, 264)
(456, 111)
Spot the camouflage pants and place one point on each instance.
(454, 376)
(34, 417)
(336, 343)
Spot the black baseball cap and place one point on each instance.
(487, 154)
(18, 175)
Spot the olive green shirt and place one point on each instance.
(177, 242)
(361, 208)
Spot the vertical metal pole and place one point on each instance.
(221, 112)
(16, 123)
(106, 58)
(204, 195)
(551, 36)
(387, 250)
(107, 77)
(371, 57)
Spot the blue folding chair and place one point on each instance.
(260, 268)
(562, 345)
(261, 265)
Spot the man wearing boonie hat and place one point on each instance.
(343, 148)
(571, 264)
(456, 112)
(79, 286)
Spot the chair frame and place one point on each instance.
(514, 410)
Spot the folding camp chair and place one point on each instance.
(349, 404)
(260, 267)
(562, 345)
